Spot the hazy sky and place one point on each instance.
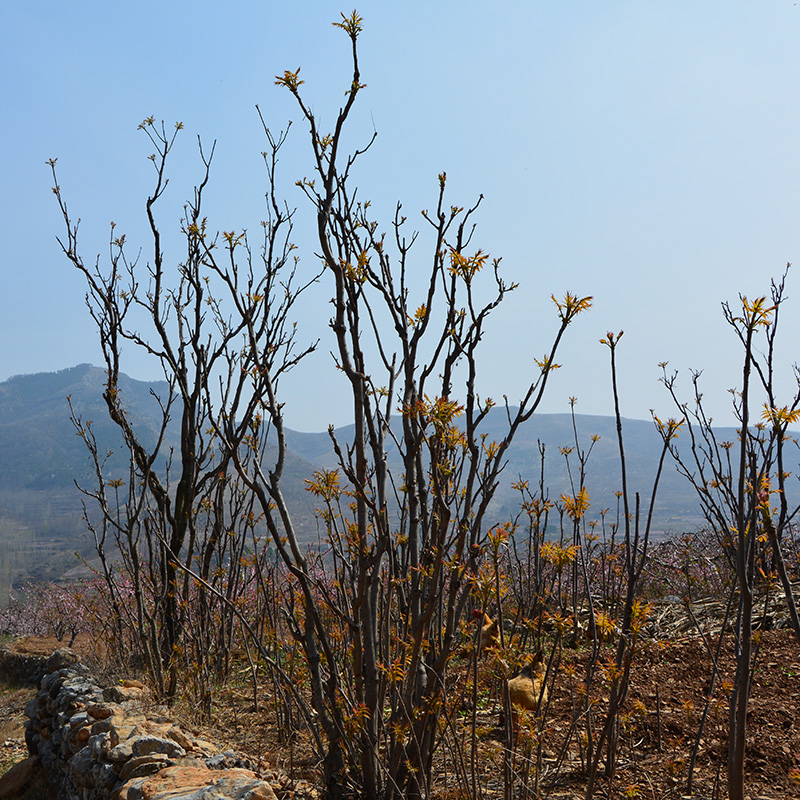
(643, 153)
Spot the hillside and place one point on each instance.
(676, 507)
(42, 459)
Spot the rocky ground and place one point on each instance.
(669, 689)
(12, 731)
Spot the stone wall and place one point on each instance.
(21, 669)
(108, 743)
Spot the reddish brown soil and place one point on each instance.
(669, 688)
(668, 694)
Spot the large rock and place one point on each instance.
(61, 659)
(196, 783)
(19, 777)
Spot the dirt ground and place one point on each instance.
(668, 694)
(670, 684)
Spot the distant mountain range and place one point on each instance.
(41, 458)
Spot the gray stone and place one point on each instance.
(61, 658)
(144, 766)
(121, 753)
(144, 745)
(100, 745)
(80, 768)
(32, 707)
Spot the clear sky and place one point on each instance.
(645, 153)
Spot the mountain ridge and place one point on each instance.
(43, 460)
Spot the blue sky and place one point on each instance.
(643, 153)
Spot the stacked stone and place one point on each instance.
(97, 743)
(18, 668)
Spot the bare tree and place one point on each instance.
(636, 539)
(734, 482)
(378, 608)
(381, 617)
(182, 505)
